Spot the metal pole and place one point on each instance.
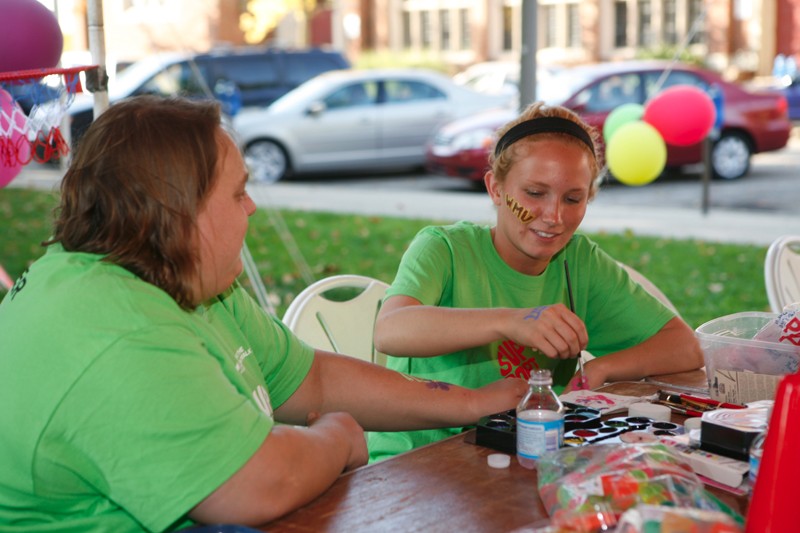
(708, 142)
(527, 57)
(708, 145)
(97, 80)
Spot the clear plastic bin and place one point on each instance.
(728, 344)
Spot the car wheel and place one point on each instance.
(730, 156)
(267, 161)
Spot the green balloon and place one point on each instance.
(619, 116)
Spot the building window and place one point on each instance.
(407, 29)
(620, 24)
(508, 28)
(444, 26)
(645, 36)
(697, 21)
(466, 34)
(549, 27)
(669, 26)
(573, 26)
(426, 28)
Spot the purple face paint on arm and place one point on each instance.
(536, 312)
(438, 385)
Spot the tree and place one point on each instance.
(263, 16)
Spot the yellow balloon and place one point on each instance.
(636, 154)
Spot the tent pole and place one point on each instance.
(97, 80)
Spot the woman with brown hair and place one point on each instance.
(143, 388)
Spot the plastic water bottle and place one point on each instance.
(540, 420)
(756, 451)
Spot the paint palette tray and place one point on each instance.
(627, 429)
(499, 431)
(582, 426)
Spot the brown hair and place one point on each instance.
(134, 188)
(501, 163)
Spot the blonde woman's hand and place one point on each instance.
(553, 330)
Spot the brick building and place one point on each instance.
(742, 36)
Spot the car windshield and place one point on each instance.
(306, 92)
(127, 81)
(560, 85)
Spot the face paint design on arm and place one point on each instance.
(431, 384)
(522, 213)
(536, 312)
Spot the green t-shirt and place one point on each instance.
(122, 411)
(458, 266)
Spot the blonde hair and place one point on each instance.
(502, 162)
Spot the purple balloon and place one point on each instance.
(30, 37)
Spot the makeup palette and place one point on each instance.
(582, 426)
(627, 429)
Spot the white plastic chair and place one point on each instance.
(782, 272)
(344, 327)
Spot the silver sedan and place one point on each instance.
(354, 120)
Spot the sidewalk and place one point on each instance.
(719, 225)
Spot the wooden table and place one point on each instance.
(445, 486)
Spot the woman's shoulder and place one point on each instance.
(580, 240)
(582, 250)
(460, 236)
(457, 230)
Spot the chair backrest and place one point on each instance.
(782, 272)
(649, 286)
(338, 314)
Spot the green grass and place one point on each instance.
(704, 280)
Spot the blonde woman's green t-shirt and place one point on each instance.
(458, 266)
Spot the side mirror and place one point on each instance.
(229, 95)
(316, 108)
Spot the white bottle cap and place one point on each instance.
(499, 460)
(655, 411)
(692, 423)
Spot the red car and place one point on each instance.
(753, 122)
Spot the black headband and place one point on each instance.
(542, 125)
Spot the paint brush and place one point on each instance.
(582, 382)
(680, 409)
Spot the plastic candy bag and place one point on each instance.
(587, 486)
(659, 519)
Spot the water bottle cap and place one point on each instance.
(540, 377)
(499, 460)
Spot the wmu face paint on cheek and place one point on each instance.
(522, 213)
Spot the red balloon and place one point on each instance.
(30, 37)
(682, 114)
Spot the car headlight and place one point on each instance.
(473, 140)
(444, 145)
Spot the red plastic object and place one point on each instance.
(773, 507)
